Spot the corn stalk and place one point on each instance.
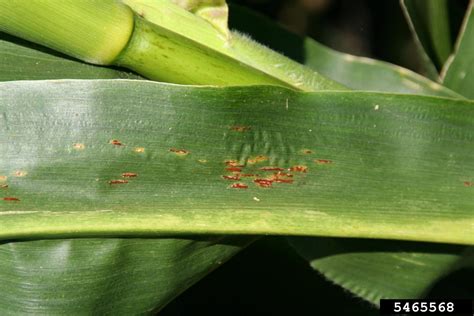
(186, 42)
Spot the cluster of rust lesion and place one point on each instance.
(126, 176)
(4, 185)
(264, 177)
(269, 175)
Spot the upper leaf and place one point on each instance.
(360, 73)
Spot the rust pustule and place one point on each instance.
(299, 169)
(11, 199)
(468, 183)
(240, 129)
(239, 186)
(129, 175)
(182, 152)
(20, 173)
(111, 182)
(78, 146)
(280, 177)
(116, 142)
(232, 178)
(264, 183)
(323, 161)
(233, 163)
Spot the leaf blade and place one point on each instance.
(326, 127)
(119, 276)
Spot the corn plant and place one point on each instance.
(144, 143)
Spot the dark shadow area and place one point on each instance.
(370, 28)
(457, 9)
(456, 285)
(267, 278)
(262, 29)
(40, 48)
(333, 246)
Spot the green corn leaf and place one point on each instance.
(429, 23)
(360, 265)
(85, 137)
(21, 60)
(157, 39)
(26, 61)
(376, 269)
(350, 267)
(104, 276)
(359, 73)
(414, 162)
(458, 73)
(111, 285)
(120, 276)
(390, 69)
(327, 62)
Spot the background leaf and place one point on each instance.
(376, 269)
(459, 70)
(21, 60)
(359, 73)
(429, 23)
(104, 276)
